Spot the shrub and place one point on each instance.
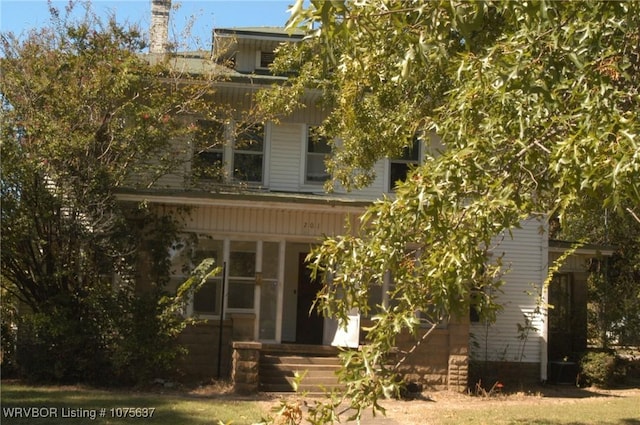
(601, 369)
(104, 338)
(8, 335)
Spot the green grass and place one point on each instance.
(167, 409)
(601, 411)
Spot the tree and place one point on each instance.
(84, 113)
(535, 105)
(614, 284)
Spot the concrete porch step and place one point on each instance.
(272, 359)
(278, 371)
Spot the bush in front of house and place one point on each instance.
(103, 338)
(602, 369)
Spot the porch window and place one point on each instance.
(208, 150)
(560, 299)
(248, 154)
(399, 167)
(269, 290)
(317, 151)
(242, 275)
(207, 300)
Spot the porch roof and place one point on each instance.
(560, 246)
(267, 199)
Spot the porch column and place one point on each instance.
(246, 363)
(458, 364)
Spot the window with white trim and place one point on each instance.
(317, 151)
(264, 59)
(208, 158)
(207, 300)
(185, 257)
(214, 159)
(248, 155)
(242, 275)
(399, 167)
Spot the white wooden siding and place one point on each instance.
(526, 263)
(171, 179)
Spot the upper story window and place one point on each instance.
(209, 143)
(248, 154)
(265, 59)
(399, 167)
(317, 150)
(215, 158)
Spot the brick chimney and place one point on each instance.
(159, 31)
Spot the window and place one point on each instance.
(248, 155)
(207, 300)
(560, 299)
(399, 167)
(212, 153)
(242, 275)
(269, 290)
(185, 257)
(208, 149)
(265, 59)
(318, 148)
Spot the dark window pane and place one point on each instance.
(251, 139)
(317, 143)
(318, 149)
(266, 59)
(209, 134)
(247, 167)
(241, 294)
(242, 264)
(205, 301)
(207, 165)
(399, 167)
(208, 145)
(398, 171)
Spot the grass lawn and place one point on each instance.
(624, 411)
(560, 407)
(554, 405)
(109, 407)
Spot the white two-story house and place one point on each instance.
(264, 208)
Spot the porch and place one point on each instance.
(440, 363)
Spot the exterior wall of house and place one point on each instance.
(519, 334)
(285, 161)
(201, 341)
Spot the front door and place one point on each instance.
(309, 324)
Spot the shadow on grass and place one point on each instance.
(62, 405)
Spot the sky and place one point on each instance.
(19, 16)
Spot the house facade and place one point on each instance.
(260, 216)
